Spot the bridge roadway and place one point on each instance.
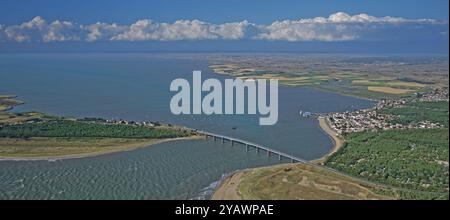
(295, 159)
(248, 145)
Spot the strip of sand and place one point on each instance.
(228, 189)
(117, 149)
(337, 139)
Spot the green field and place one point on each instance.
(365, 77)
(414, 112)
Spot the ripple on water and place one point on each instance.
(173, 170)
(177, 170)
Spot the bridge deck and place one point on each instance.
(294, 158)
(268, 149)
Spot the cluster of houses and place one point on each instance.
(122, 122)
(372, 120)
(390, 103)
(357, 121)
(136, 123)
(434, 96)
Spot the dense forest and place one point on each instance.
(412, 159)
(71, 128)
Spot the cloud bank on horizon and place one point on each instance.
(335, 28)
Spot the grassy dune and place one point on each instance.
(43, 147)
(296, 182)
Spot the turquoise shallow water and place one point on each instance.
(136, 86)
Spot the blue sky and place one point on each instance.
(216, 11)
(404, 25)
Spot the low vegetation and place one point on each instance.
(7, 102)
(302, 181)
(42, 147)
(415, 112)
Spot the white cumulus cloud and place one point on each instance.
(144, 30)
(103, 31)
(299, 31)
(336, 27)
(39, 30)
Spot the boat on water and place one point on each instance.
(305, 114)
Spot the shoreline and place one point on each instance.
(150, 142)
(228, 189)
(311, 86)
(112, 148)
(338, 140)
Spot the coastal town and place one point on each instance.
(374, 119)
(437, 95)
(124, 122)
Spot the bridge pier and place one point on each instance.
(270, 152)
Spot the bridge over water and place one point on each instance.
(269, 151)
(295, 159)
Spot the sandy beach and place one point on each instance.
(228, 189)
(94, 154)
(338, 140)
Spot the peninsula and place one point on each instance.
(396, 150)
(37, 136)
